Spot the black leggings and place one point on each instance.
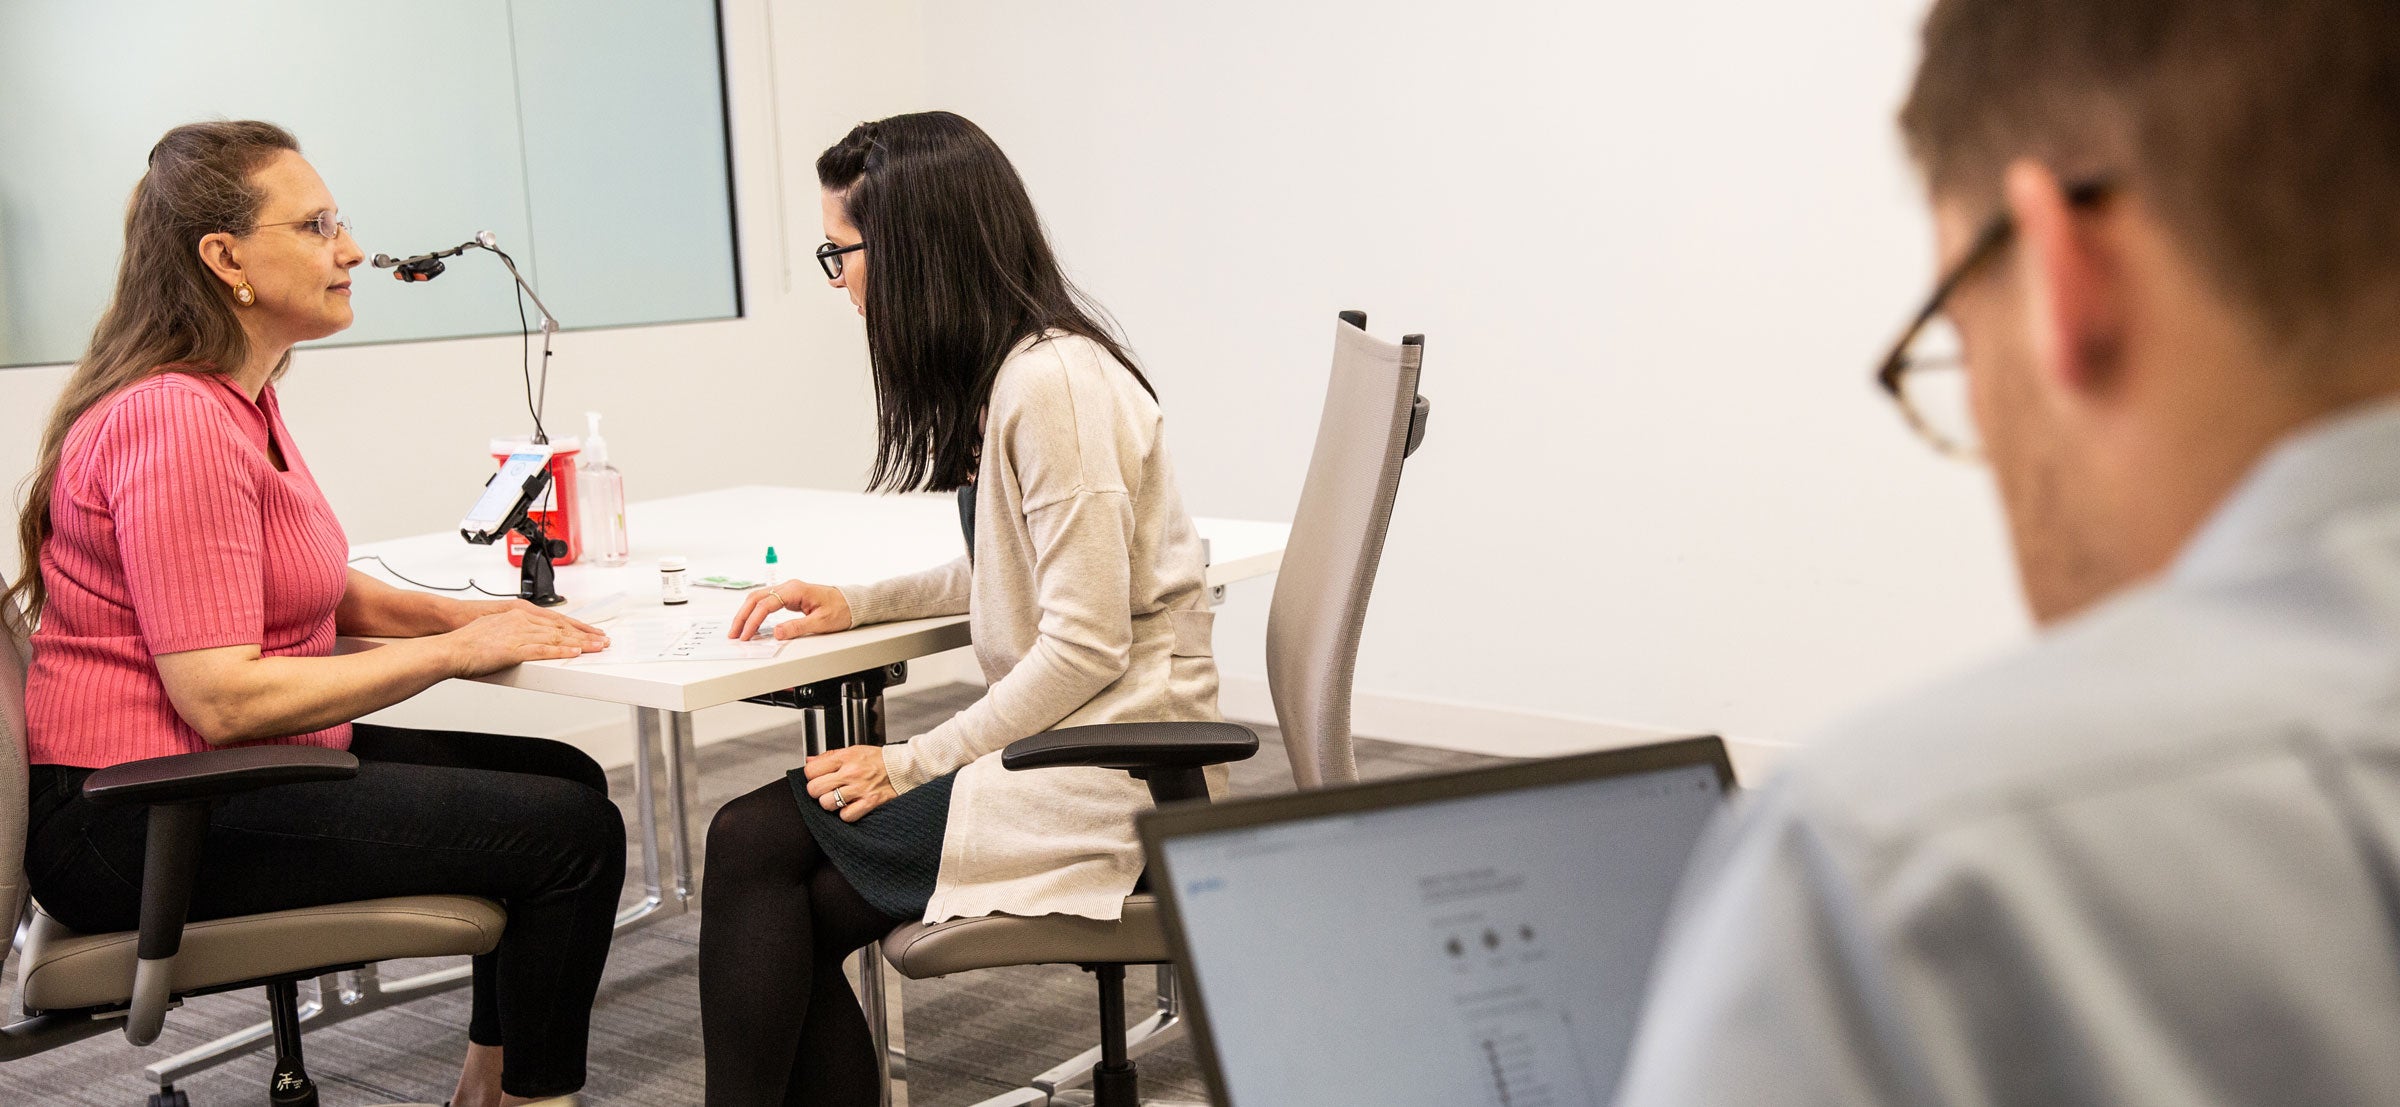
(523, 821)
(778, 1022)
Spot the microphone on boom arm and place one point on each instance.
(423, 267)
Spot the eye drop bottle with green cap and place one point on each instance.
(774, 576)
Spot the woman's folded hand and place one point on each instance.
(849, 781)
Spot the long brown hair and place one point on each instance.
(170, 313)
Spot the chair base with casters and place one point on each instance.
(1171, 758)
(73, 986)
(921, 952)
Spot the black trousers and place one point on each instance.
(526, 822)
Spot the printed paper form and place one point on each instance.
(644, 638)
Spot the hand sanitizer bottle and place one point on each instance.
(600, 500)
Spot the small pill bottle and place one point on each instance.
(671, 583)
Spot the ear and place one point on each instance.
(2069, 271)
(216, 252)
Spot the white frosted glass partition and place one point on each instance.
(589, 135)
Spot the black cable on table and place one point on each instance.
(387, 567)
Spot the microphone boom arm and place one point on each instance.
(425, 267)
(549, 322)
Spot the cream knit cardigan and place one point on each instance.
(1088, 602)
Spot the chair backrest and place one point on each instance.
(13, 654)
(1373, 420)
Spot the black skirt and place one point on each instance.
(892, 854)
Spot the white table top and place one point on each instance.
(827, 537)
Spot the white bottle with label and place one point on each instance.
(600, 501)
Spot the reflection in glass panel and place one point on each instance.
(588, 135)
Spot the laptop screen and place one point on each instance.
(1483, 949)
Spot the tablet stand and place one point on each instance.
(537, 582)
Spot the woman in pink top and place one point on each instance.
(191, 581)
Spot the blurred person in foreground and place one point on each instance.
(2150, 857)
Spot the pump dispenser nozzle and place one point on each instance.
(595, 448)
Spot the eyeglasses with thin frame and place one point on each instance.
(1925, 374)
(327, 224)
(829, 258)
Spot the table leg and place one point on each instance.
(860, 701)
(683, 794)
(667, 882)
(645, 812)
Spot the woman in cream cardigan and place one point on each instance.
(1082, 578)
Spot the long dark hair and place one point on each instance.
(958, 273)
(170, 312)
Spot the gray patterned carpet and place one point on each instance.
(969, 1037)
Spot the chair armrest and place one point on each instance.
(1134, 747)
(214, 774)
(180, 789)
(1166, 756)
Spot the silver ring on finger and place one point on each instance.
(838, 801)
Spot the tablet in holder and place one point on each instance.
(506, 505)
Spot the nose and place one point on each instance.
(346, 251)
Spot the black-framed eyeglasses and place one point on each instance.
(829, 258)
(1925, 372)
(327, 224)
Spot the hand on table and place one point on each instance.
(513, 632)
(467, 611)
(854, 771)
(822, 609)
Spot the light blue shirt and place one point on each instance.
(2149, 859)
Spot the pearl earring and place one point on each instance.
(243, 295)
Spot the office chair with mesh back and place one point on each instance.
(1373, 420)
(74, 986)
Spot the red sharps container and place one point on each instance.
(555, 511)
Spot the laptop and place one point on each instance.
(1480, 937)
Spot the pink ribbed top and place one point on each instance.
(172, 530)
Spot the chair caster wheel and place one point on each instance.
(169, 1097)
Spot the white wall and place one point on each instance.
(512, 118)
(1654, 249)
